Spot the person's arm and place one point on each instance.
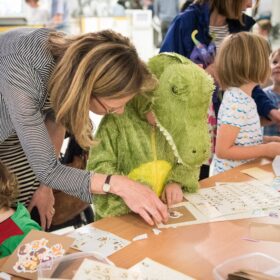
(43, 198)
(186, 176)
(178, 38)
(267, 139)
(58, 13)
(265, 106)
(156, 8)
(23, 97)
(172, 194)
(103, 155)
(226, 148)
(138, 197)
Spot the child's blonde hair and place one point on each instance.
(8, 187)
(243, 58)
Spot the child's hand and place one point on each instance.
(268, 139)
(274, 114)
(172, 194)
(272, 149)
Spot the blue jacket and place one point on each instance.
(178, 39)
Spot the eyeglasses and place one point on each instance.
(108, 109)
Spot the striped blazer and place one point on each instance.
(26, 64)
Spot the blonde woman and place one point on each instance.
(242, 63)
(97, 72)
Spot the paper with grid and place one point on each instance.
(232, 198)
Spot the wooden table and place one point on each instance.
(194, 250)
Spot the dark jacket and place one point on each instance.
(178, 39)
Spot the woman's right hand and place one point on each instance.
(140, 199)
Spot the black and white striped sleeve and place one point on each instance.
(22, 93)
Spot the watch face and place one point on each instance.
(106, 187)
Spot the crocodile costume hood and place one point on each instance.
(174, 150)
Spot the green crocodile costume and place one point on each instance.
(174, 150)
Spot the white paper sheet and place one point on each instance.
(93, 239)
(90, 269)
(227, 201)
(151, 270)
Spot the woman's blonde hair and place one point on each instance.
(231, 9)
(8, 187)
(104, 64)
(243, 58)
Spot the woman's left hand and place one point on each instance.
(43, 199)
(172, 194)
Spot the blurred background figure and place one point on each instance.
(60, 15)
(166, 10)
(185, 5)
(263, 25)
(118, 10)
(37, 14)
(148, 5)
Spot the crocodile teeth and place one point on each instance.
(170, 140)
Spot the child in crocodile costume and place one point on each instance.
(166, 155)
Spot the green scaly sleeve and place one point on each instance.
(185, 176)
(103, 158)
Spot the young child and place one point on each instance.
(161, 139)
(273, 92)
(14, 223)
(242, 63)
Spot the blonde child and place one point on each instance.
(14, 223)
(242, 63)
(273, 92)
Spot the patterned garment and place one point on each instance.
(14, 229)
(212, 128)
(218, 33)
(239, 109)
(26, 65)
(272, 130)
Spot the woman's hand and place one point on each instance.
(140, 199)
(172, 194)
(43, 199)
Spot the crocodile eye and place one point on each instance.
(174, 89)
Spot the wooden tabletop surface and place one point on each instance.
(194, 250)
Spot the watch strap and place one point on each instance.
(108, 178)
(106, 186)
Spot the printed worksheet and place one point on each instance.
(226, 201)
(232, 198)
(152, 270)
(91, 269)
(93, 239)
